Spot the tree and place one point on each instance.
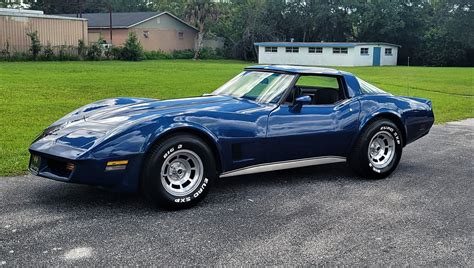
(55, 6)
(35, 46)
(132, 49)
(200, 13)
(176, 7)
(430, 32)
(88, 6)
(447, 40)
(10, 3)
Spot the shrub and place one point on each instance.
(94, 52)
(209, 53)
(48, 53)
(183, 54)
(81, 49)
(66, 53)
(5, 53)
(35, 47)
(17, 56)
(157, 55)
(132, 49)
(108, 53)
(116, 53)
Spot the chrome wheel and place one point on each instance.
(381, 149)
(182, 172)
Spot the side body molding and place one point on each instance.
(305, 162)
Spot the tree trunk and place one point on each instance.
(199, 45)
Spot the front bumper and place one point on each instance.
(87, 171)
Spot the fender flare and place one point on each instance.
(382, 113)
(193, 129)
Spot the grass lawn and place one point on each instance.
(34, 94)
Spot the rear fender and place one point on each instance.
(367, 119)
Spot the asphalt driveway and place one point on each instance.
(421, 215)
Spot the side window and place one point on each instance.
(318, 82)
(323, 90)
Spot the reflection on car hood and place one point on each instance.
(84, 127)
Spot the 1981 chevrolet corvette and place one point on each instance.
(266, 118)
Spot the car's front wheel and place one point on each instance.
(378, 150)
(178, 172)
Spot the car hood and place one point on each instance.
(87, 126)
(113, 112)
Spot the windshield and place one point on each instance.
(370, 89)
(263, 87)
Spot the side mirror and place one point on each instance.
(303, 100)
(299, 102)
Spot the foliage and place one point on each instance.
(157, 55)
(67, 53)
(183, 54)
(48, 53)
(74, 84)
(15, 56)
(132, 49)
(5, 52)
(206, 53)
(81, 49)
(94, 52)
(10, 3)
(201, 13)
(35, 46)
(116, 52)
(212, 54)
(176, 7)
(429, 32)
(86, 6)
(108, 53)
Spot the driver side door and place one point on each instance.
(323, 128)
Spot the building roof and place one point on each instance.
(122, 20)
(321, 44)
(294, 69)
(33, 14)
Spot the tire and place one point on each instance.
(189, 170)
(378, 150)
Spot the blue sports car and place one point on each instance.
(266, 118)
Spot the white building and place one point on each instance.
(327, 54)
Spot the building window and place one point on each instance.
(315, 50)
(158, 20)
(180, 35)
(364, 51)
(339, 50)
(271, 49)
(292, 49)
(388, 52)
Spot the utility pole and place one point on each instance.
(110, 22)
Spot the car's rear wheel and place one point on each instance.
(178, 172)
(378, 151)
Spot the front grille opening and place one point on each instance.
(59, 168)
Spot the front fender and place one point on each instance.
(190, 127)
(137, 139)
